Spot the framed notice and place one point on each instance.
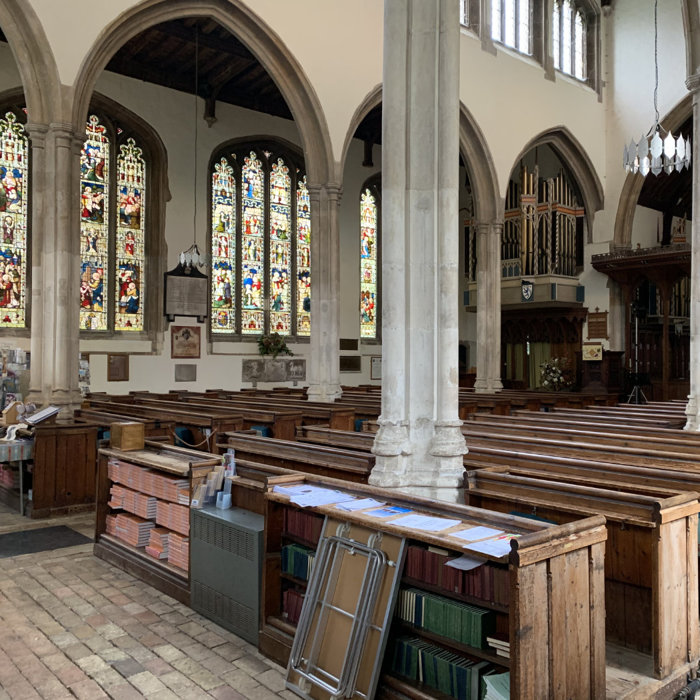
(597, 324)
(117, 368)
(375, 367)
(185, 342)
(591, 352)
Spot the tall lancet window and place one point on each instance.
(369, 253)
(260, 242)
(13, 215)
(112, 231)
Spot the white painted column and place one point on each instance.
(55, 262)
(488, 308)
(693, 422)
(323, 363)
(419, 445)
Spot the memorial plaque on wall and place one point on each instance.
(598, 324)
(186, 293)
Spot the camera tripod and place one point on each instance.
(636, 395)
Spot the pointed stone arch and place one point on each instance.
(372, 100)
(488, 205)
(265, 45)
(691, 28)
(568, 148)
(35, 60)
(632, 187)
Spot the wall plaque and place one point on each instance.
(598, 324)
(280, 369)
(186, 293)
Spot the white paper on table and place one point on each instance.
(360, 503)
(294, 489)
(476, 533)
(388, 512)
(320, 497)
(496, 548)
(465, 563)
(426, 523)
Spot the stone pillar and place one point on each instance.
(693, 422)
(419, 445)
(488, 308)
(323, 363)
(55, 265)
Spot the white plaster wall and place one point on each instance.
(647, 228)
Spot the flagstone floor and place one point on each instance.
(73, 626)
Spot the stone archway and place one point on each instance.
(35, 61)
(240, 20)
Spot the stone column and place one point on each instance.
(55, 264)
(693, 422)
(323, 364)
(488, 308)
(419, 445)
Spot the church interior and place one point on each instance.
(349, 349)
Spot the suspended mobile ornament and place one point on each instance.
(659, 150)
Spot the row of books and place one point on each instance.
(486, 582)
(163, 486)
(297, 561)
(468, 624)
(132, 501)
(292, 602)
(438, 668)
(173, 516)
(301, 524)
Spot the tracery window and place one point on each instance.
(511, 24)
(569, 42)
(369, 258)
(13, 221)
(113, 189)
(260, 242)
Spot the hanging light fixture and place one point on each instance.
(659, 150)
(192, 258)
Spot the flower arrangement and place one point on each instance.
(273, 344)
(555, 374)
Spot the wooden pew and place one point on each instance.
(204, 425)
(651, 554)
(323, 435)
(282, 424)
(304, 457)
(160, 429)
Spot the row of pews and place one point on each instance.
(532, 456)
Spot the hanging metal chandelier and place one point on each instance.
(658, 151)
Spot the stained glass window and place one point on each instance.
(129, 291)
(271, 291)
(112, 238)
(303, 259)
(368, 264)
(13, 215)
(223, 218)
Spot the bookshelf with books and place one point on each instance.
(453, 630)
(143, 511)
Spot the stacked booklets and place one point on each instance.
(132, 529)
(438, 668)
(292, 602)
(133, 501)
(157, 545)
(173, 516)
(179, 551)
(500, 645)
(297, 561)
(452, 619)
(496, 686)
(307, 526)
(146, 481)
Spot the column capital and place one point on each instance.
(484, 227)
(693, 83)
(333, 190)
(37, 133)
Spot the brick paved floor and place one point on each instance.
(73, 626)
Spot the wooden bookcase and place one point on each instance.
(163, 460)
(554, 617)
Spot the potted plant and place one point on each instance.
(555, 374)
(273, 344)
